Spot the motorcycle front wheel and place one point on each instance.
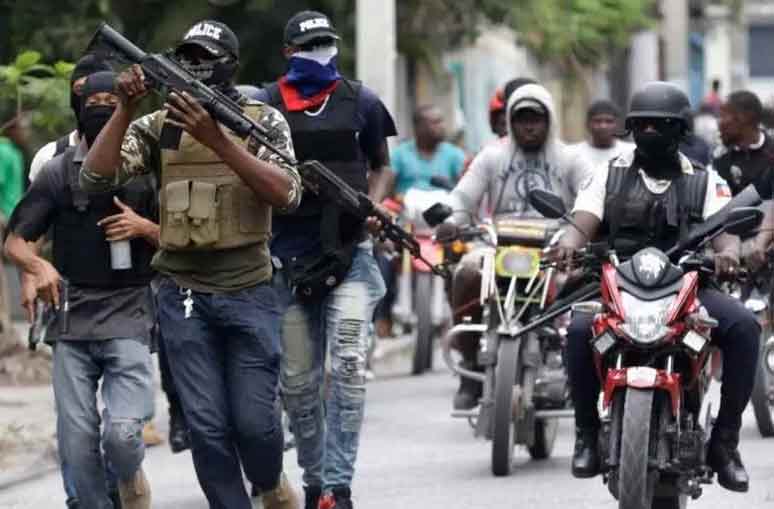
(505, 378)
(635, 484)
(423, 346)
(763, 392)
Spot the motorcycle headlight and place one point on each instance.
(517, 262)
(645, 319)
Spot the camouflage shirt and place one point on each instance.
(233, 269)
(140, 153)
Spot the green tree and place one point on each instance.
(28, 85)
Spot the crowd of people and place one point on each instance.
(172, 234)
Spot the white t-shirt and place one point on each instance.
(46, 153)
(601, 156)
(591, 197)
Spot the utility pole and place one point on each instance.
(376, 48)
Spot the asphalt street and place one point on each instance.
(413, 455)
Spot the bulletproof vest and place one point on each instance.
(203, 204)
(635, 217)
(81, 251)
(331, 137)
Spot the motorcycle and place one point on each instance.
(652, 353)
(524, 382)
(755, 291)
(421, 304)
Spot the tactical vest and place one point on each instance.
(81, 252)
(330, 137)
(635, 217)
(204, 204)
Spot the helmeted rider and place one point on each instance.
(649, 197)
(532, 157)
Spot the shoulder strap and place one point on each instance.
(619, 201)
(62, 144)
(79, 195)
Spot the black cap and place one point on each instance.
(214, 36)
(88, 64)
(308, 25)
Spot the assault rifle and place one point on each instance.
(162, 72)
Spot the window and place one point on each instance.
(760, 44)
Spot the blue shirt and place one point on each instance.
(413, 170)
(297, 235)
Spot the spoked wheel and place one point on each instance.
(763, 392)
(505, 378)
(423, 346)
(635, 484)
(545, 436)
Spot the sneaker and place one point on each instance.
(338, 498)
(135, 493)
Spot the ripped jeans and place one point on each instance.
(337, 326)
(125, 367)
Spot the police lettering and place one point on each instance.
(311, 24)
(206, 30)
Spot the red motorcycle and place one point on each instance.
(652, 351)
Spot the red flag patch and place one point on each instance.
(722, 190)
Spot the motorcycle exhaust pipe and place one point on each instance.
(447, 355)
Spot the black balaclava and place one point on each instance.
(657, 151)
(88, 64)
(94, 118)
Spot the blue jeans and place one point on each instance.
(225, 360)
(327, 434)
(127, 392)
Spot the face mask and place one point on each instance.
(210, 72)
(93, 119)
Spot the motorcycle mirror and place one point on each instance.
(437, 214)
(442, 182)
(547, 203)
(742, 220)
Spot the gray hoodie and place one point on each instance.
(505, 174)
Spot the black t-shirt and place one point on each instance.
(753, 165)
(95, 313)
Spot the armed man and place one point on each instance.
(344, 125)
(218, 312)
(106, 315)
(650, 196)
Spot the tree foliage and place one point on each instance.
(578, 33)
(29, 85)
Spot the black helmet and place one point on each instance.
(658, 99)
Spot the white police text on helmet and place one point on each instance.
(205, 30)
(311, 24)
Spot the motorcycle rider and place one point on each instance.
(747, 157)
(648, 197)
(533, 157)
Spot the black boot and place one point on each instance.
(469, 393)
(585, 459)
(179, 439)
(312, 496)
(723, 457)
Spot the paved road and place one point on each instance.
(414, 455)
